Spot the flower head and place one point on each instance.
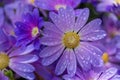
(71, 39)
(109, 6)
(29, 29)
(17, 59)
(56, 4)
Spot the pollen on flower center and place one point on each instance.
(58, 6)
(35, 31)
(105, 57)
(117, 1)
(32, 1)
(71, 40)
(4, 61)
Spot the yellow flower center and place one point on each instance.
(57, 7)
(4, 60)
(71, 40)
(117, 1)
(32, 1)
(105, 57)
(35, 31)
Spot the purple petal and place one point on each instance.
(66, 19)
(52, 27)
(109, 73)
(62, 63)
(50, 41)
(95, 53)
(49, 60)
(116, 77)
(29, 76)
(71, 67)
(25, 59)
(48, 51)
(22, 51)
(93, 36)
(83, 57)
(91, 26)
(22, 67)
(82, 19)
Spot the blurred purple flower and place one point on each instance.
(17, 59)
(71, 39)
(111, 42)
(28, 30)
(109, 6)
(56, 4)
(15, 10)
(107, 74)
(2, 76)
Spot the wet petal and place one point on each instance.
(82, 19)
(109, 73)
(29, 76)
(93, 36)
(91, 26)
(22, 67)
(116, 77)
(49, 60)
(95, 53)
(48, 51)
(23, 51)
(50, 41)
(25, 59)
(72, 65)
(64, 20)
(83, 57)
(62, 63)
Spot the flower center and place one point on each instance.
(117, 1)
(35, 31)
(71, 40)
(4, 61)
(58, 6)
(32, 1)
(105, 57)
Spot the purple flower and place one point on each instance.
(56, 4)
(2, 76)
(28, 30)
(15, 10)
(71, 39)
(17, 59)
(105, 74)
(109, 6)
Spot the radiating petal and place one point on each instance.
(25, 59)
(116, 77)
(91, 26)
(48, 51)
(22, 51)
(52, 27)
(64, 20)
(49, 60)
(50, 41)
(67, 19)
(83, 57)
(29, 76)
(72, 65)
(62, 63)
(109, 73)
(22, 67)
(82, 19)
(95, 53)
(93, 36)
